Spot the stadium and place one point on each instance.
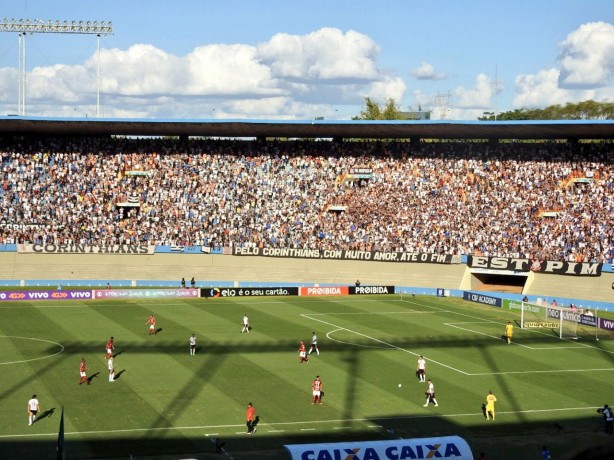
(389, 240)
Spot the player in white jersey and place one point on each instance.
(314, 344)
(421, 369)
(111, 370)
(33, 408)
(430, 394)
(192, 342)
(245, 324)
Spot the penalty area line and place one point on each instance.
(382, 342)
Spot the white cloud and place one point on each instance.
(426, 71)
(478, 97)
(326, 54)
(586, 66)
(543, 89)
(587, 59)
(287, 76)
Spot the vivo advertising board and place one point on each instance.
(453, 447)
(45, 295)
(145, 293)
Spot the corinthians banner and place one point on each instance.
(115, 249)
(539, 266)
(346, 254)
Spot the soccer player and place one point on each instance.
(546, 455)
(314, 344)
(111, 370)
(110, 347)
(430, 394)
(302, 353)
(82, 374)
(33, 408)
(245, 324)
(421, 368)
(192, 342)
(491, 399)
(509, 332)
(250, 418)
(316, 388)
(152, 324)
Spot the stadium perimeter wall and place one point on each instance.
(216, 269)
(207, 267)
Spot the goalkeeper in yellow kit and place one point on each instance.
(491, 399)
(509, 332)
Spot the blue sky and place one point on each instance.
(284, 59)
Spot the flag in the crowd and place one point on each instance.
(177, 248)
(205, 249)
(60, 449)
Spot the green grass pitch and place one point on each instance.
(169, 404)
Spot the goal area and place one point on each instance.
(566, 323)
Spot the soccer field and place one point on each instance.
(166, 403)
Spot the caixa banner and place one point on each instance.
(453, 447)
(368, 290)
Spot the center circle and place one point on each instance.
(32, 350)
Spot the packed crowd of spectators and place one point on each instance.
(550, 201)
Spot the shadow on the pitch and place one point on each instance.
(46, 414)
(92, 377)
(119, 374)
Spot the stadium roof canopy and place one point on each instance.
(340, 129)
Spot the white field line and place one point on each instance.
(382, 342)
(378, 347)
(302, 422)
(456, 325)
(495, 322)
(439, 310)
(32, 359)
(42, 303)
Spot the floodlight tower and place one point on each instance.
(25, 26)
(443, 104)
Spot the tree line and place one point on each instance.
(585, 110)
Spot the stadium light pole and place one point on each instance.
(31, 26)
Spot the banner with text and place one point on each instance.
(324, 290)
(481, 298)
(344, 254)
(537, 266)
(248, 292)
(368, 290)
(145, 293)
(115, 249)
(451, 447)
(45, 295)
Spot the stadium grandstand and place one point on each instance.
(444, 188)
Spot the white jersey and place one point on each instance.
(421, 364)
(245, 320)
(33, 404)
(431, 389)
(192, 341)
(110, 364)
(314, 340)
